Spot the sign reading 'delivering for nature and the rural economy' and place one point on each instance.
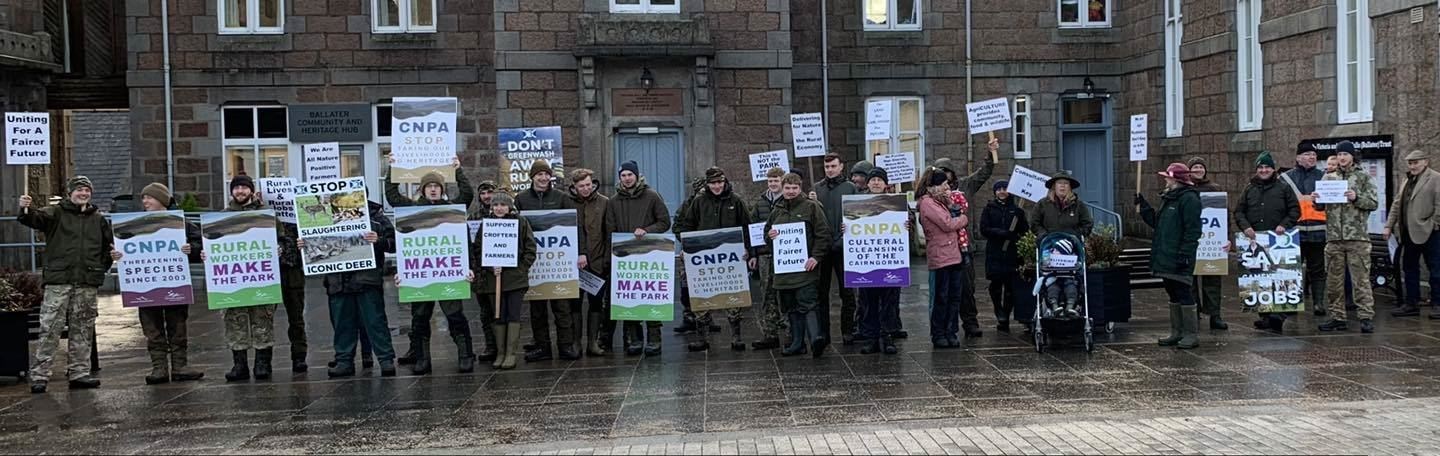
(333, 218)
(322, 161)
(989, 115)
(500, 243)
(762, 162)
(877, 245)
(1272, 278)
(27, 138)
(808, 131)
(642, 277)
(520, 147)
(153, 269)
(715, 269)
(242, 259)
(433, 253)
(1210, 255)
(790, 249)
(279, 194)
(423, 138)
(556, 272)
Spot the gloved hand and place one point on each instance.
(1141, 203)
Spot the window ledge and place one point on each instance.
(252, 42)
(403, 36)
(1086, 35)
(402, 40)
(890, 37)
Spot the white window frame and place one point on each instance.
(405, 18)
(255, 142)
(1174, 70)
(1084, 17)
(893, 145)
(644, 7)
(892, 21)
(1249, 65)
(252, 19)
(1364, 85)
(1022, 135)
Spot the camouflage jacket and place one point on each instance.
(1346, 222)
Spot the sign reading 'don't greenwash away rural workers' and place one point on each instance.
(242, 258)
(642, 277)
(434, 253)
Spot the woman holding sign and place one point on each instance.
(513, 282)
(1177, 234)
(945, 240)
(1208, 287)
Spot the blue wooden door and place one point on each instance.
(1086, 154)
(661, 160)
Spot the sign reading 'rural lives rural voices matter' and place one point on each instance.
(153, 270)
(434, 253)
(242, 259)
(642, 277)
(333, 217)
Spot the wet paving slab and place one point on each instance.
(612, 396)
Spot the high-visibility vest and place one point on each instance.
(1308, 213)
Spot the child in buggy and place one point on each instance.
(1061, 259)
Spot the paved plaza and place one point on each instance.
(1242, 391)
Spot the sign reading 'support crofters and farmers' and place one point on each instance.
(1271, 276)
(278, 193)
(715, 269)
(520, 147)
(790, 250)
(556, 273)
(877, 245)
(333, 217)
(434, 253)
(1210, 255)
(500, 243)
(242, 259)
(423, 138)
(642, 277)
(153, 269)
(27, 138)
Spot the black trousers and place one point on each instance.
(832, 270)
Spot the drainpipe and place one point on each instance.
(169, 124)
(969, 96)
(825, 68)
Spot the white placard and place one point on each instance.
(474, 226)
(757, 234)
(878, 115)
(27, 138)
(808, 131)
(500, 243)
(1332, 191)
(1062, 261)
(762, 162)
(900, 168)
(1139, 137)
(322, 161)
(1028, 184)
(279, 194)
(989, 115)
(791, 252)
(591, 283)
(424, 138)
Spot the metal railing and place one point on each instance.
(32, 245)
(1106, 217)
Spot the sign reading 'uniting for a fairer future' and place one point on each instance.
(242, 259)
(434, 253)
(153, 270)
(642, 277)
(27, 138)
(790, 250)
(333, 217)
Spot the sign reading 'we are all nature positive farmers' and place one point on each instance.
(153, 270)
(877, 245)
(242, 259)
(715, 269)
(434, 253)
(642, 277)
(334, 216)
(556, 273)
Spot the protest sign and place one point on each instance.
(279, 194)
(1332, 191)
(27, 138)
(989, 115)
(333, 217)
(242, 259)
(521, 147)
(715, 269)
(556, 272)
(1139, 137)
(1272, 278)
(322, 161)
(808, 131)
(877, 245)
(474, 226)
(762, 162)
(899, 167)
(433, 254)
(756, 233)
(790, 250)
(423, 138)
(1210, 255)
(877, 119)
(1028, 184)
(642, 277)
(153, 270)
(500, 243)
(591, 283)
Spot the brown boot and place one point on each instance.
(159, 368)
(179, 367)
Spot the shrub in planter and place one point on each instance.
(1109, 279)
(20, 296)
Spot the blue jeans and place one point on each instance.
(878, 309)
(349, 311)
(1410, 261)
(945, 306)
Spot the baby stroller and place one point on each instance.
(1060, 289)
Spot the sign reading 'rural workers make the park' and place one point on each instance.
(642, 277)
(434, 253)
(242, 259)
(333, 217)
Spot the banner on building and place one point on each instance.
(520, 147)
(876, 243)
(27, 138)
(761, 163)
(808, 133)
(642, 277)
(153, 270)
(715, 269)
(556, 272)
(423, 138)
(1271, 277)
(242, 259)
(433, 253)
(279, 194)
(790, 249)
(989, 115)
(500, 243)
(1210, 255)
(322, 161)
(333, 217)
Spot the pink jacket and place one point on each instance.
(942, 233)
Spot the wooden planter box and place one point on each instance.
(15, 337)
